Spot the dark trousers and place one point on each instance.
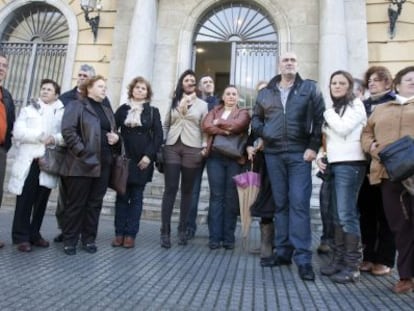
(128, 209)
(192, 214)
(402, 227)
(376, 235)
(83, 206)
(326, 212)
(60, 205)
(181, 162)
(30, 208)
(3, 163)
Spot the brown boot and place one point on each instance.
(352, 258)
(403, 286)
(129, 242)
(338, 249)
(118, 241)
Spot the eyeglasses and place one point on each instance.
(82, 75)
(4, 65)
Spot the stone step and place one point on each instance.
(153, 198)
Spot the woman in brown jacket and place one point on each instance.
(224, 119)
(388, 123)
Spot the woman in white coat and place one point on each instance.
(343, 127)
(37, 126)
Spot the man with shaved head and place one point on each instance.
(288, 116)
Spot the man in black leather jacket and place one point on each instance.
(7, 117)
(288, 116)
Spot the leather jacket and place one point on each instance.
(81, 130)
(295, 127)
(10, 115)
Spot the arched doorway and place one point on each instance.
(34, 38)
(236, 43)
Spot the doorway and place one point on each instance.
(236, 43)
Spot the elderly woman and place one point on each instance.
(36, 128)
(183, 153)
(141, 131)
(88, 128)
(388, 123)
(343, 126)
(225, 119)
(377, 238)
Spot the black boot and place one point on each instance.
(352, 258)
(338, 249)
(165, 236)
(182, 238)
(267, 235)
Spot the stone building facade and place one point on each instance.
(156, 39)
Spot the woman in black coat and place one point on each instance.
(141, 131)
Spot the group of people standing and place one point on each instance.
(290, 127)
(369, 223)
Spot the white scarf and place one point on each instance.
(133, 118)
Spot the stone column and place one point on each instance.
(141, 44)
(333, 48)
(357, 37)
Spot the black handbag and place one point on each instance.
(159, 161)
(119, 172)
(232, 146)
(52, 160)
(398, 158)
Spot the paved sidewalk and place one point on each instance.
(182, 278)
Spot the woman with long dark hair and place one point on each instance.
(183, 153)
(343, 126)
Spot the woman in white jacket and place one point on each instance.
(37, 126)
(343, 127)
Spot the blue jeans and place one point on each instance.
(195, 196)
(346, 182)
(224, 203)
(291, 180)
(128, 209)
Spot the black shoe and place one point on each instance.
(58, 238)
(69, 250)
(90, 248)
(268, 261)
(182, 238)
(214, 245)
(190, 234)
(306, 272)
(228, 246)
(282, 261)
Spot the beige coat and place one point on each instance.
(187, 126)
(388, 123)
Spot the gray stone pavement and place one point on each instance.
(182, 278)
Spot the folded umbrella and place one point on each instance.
(248, 185)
